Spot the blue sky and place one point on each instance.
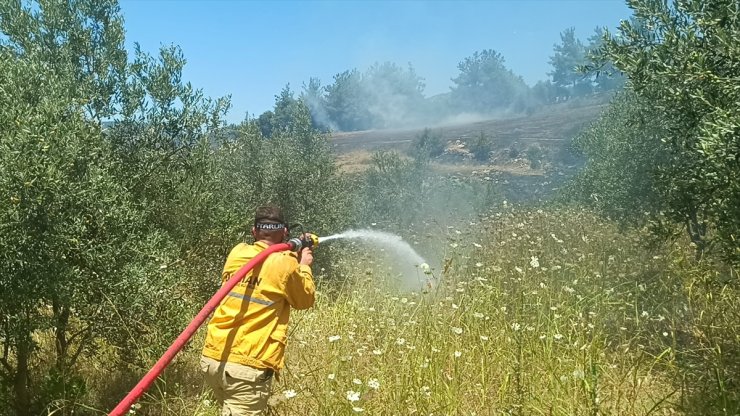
(252, 49)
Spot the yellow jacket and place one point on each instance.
(250, 326)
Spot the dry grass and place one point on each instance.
(546, 313)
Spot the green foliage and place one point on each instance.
(68, 225)
(625, 157)
(481, 147)
(428, 144)
(385, 95)
(344, 102)
(605, 77)
(485, 84)
(569, 55)
(393, 189)
(536, 155)
(281, 118)
(682, 59)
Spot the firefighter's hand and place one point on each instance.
(306, 256)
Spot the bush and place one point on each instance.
(428, 144)
(536, 155)
(481, 147)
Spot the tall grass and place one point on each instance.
(535, 312)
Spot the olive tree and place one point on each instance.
(105, 167)
(682, 58)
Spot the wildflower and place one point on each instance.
(478, 264)
(454, 306)
(373, 383)
(357, 381)
(400, 341)
(457, 331)
(289, 394)
(426, 391)
(378, 352)
(458, 354)
(534, 262)
(519, 269)
(558, 336)
(331, 376)
(453, 245)
(515, 326)
(644, 314)
(483, 338)
(335, 338)
(665, 334)
(477, 245)
(353, 396)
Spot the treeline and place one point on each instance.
(388, 95)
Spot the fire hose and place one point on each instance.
(294, 244)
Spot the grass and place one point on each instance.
(535, 312)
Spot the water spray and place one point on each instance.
(401, 249)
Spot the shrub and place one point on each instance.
(481, 147)
(428, 144)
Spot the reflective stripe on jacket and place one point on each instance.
(250, 326)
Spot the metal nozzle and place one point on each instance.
(308, 240)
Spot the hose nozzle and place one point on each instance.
(307, 240)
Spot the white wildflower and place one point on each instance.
(353, 396)
(289, 394)
(534, 262)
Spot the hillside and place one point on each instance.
(530, 154)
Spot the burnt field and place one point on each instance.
(530, 155)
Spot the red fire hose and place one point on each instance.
(186, 334)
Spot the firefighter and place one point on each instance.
(245, 342)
